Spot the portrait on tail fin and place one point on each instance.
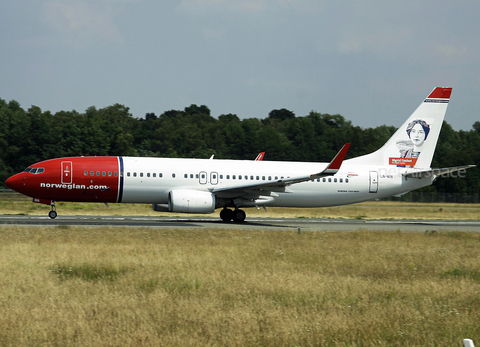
(417, 132)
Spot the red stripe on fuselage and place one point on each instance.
(71, 179)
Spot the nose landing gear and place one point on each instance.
(53, 213)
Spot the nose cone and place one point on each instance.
(15, 182)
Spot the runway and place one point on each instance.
(273, 224)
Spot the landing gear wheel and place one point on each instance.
(53, 213)
(239, 216)
(226, 215)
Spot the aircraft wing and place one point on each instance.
(280, 186)
(436, 172)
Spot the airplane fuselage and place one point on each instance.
(150, 180)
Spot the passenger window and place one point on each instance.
(263, 178)
(148, 174)
(239, 177)
(329, 180)
(98, 173)
(258, 177)
(134, 174)
(269, 178)
(104, 173)
(228, 177)
(185, 176)
(341, 180)
(141, 174)
(221, 177)
(251, 177)
(154, 174)
(109, 173)
(160, 175)
(346, 180)
(173, 175)
(318, 179)
(324, 179)
(115, 174)
(128, 174)
(276, 178)
(86, 173)
(335, 180)
(91, 173)
(191, 175)
(234, 177)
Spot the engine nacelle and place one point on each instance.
(191, 201)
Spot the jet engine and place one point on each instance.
(191, 201)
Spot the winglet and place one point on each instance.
(335, 164)
(338, 160)
(260, 156)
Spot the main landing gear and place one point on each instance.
(238, 216)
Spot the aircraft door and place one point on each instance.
(373, 182)
(214, 178)
(67, 172)
(202, 177)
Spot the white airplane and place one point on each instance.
(203, 185)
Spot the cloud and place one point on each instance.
(452, 52)
(82, 23)
(206, 6)
(210, 34)
(379, 42)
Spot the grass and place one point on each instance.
(15, 204)
(84, 286)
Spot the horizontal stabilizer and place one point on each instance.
(437, 172)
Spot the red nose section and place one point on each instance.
(15, 182)
(95, 179)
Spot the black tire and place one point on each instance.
(52, 214)
(226, 215)
(239, 216)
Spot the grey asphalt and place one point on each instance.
(295, 224)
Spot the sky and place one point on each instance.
(373, 62)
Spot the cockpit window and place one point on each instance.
(34, 170)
